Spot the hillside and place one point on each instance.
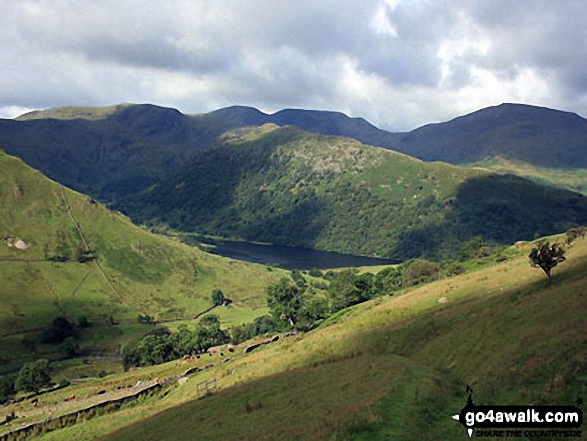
(534, 135)
(289, 187)
(46, 271)
(573, 179)
(391, 368)
(115, 151)
(108, 152)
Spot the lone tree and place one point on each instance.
(546, 257)
(218, 298)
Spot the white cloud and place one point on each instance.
(399, 64)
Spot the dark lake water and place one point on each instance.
(292, 258)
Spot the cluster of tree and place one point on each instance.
(294, 304)
(262, 325)
(161, 345)
(61, 251)
(32, 377)
(58, 331)
(62, 332)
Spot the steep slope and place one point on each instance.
(290, 187)
(115, 151)
(46, 270)
(107, 152)
(534, 135)
(391, 368)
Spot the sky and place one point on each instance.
(398, 64)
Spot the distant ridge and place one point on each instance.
(115, 151)
(535, 135)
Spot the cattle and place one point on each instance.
(69, 398)
(101, 392)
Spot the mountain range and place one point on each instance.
(316, 182)
(119, 150)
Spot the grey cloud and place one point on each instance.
(276, 53)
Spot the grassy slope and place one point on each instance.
(574, 179)
(392, 368)
(150, 274)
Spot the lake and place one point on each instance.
(293, 258)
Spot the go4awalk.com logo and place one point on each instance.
(517, 421)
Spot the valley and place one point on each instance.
(105, 271)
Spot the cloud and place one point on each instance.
(397, 63)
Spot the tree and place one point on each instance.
(421, 271)
(34, 376)
(218, 297)
(546, 257)
(59, 330)
(209, 334)
(388, 280)
(285, 301)
(349, 288)
(474, 248)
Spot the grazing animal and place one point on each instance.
(102, 392)
(69, 398)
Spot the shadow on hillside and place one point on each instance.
(499, 208)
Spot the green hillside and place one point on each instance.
(391, 368)
(574, 179)
(46, 270)
(290, 187)
(111, 152)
